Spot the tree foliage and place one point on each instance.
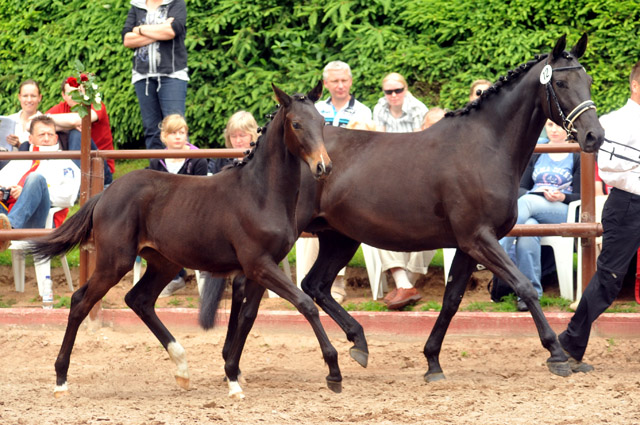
(237, 49)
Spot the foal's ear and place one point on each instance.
(315, 94)
(578, 49)
(283, 98)
(560, 45)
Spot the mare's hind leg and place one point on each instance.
(243, 316)
(265, 271)
(141, 299)
(488, 251)
(82, 301)
(335, 252)
(461, 269)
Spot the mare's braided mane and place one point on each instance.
(503, 80)
(262, 131)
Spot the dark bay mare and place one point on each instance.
(242, 219)
(453, 185)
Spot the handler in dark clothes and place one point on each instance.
(620, 221)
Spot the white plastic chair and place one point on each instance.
(377, 279)
(42, 268)
(562, 252)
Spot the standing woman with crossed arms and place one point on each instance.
(156, 30)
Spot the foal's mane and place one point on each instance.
(248, 154)
(503, 80)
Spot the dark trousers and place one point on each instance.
(620, 241)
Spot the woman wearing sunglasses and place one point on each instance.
(398, 111)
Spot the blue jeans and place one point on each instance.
(533, 209)
(32, 207)
(75, 143)
(159, 97)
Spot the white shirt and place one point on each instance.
(622, 127)
(353, 111)
(413, 112)
(62, 176)
(22, 133)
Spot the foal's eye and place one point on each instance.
(561, 84)
(296, 125)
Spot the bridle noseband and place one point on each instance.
(567, 122)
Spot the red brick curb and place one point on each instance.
(383, 323)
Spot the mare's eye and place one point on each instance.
(296, 125)
(561, 84)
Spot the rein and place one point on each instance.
(567, 121)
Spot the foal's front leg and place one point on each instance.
(244, 310)
(266, 272)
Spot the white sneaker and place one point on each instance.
(172, 287)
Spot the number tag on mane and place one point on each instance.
(545, 75)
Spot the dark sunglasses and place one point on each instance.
(396, 91)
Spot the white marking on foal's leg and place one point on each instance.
(235, 391)
(179, 357)
(60, 390)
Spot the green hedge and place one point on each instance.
(237, 48)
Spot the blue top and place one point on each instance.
(550, 174)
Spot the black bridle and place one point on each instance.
(567, 121)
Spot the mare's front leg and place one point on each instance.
(82, 301)
(488, 251)
(142, 297)
(266, 272)
(335, 252)
(461, 269)
(237, 301)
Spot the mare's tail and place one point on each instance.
(74, 231)
(212, 291)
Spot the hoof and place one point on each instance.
(335, 386)
(235, 390)
(434, 377)
(182, 382)
(559, 368)
(61, 391)
(360, 356)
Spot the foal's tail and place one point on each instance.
(74, 231)
(212, 291)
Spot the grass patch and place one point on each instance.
(431, 306)
(366, 306)
(62, 301)
(630, 307)
(175, 302)
(559, 302)
(8, 303)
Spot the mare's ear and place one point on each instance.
(560, 45)
(578, 49)
(283, 98)
(315, 94)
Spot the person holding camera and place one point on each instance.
(35, 186)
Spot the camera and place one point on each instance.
(6, 192)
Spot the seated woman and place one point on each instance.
(241, 130)
(174, 133)
(550, 182)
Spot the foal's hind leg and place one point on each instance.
(237, 302)
(335, 252)
(82, 301)
(461, 270)
(141, 299)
